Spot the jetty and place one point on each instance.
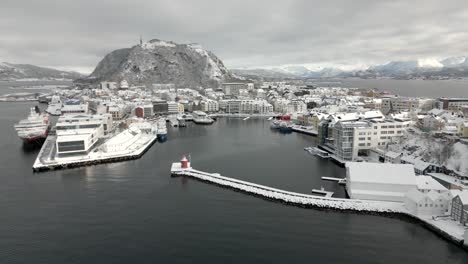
(338, 180)
(449, 230)
(299, 199)
(322, 191)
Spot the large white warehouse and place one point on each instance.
(379, 181)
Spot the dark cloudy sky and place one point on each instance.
(77, 34)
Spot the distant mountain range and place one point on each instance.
(159, 61)
(450, 68)
(10, 72)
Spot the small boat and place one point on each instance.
(285, 128)
(317, 152)
(275, 124)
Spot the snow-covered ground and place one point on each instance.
(434, 150)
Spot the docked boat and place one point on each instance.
(186, 117)
(34, 128)
(201, 118)
(285, 128)
(55, 106)
(275, 124)
(317, 152)
(174, 122)
(162, 130)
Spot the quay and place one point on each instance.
(448, 230)
(304, 130)
(339, 180)
(47, 159)
(322, 191)
(299, 199)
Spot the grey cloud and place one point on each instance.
(77, 34)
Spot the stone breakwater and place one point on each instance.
(390, 209)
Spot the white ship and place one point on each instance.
(162, 130)
(34, 128)
(55, 106)
(201, 118)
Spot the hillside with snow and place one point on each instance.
(159, 61)
(429, 68)
(439, 151)
(11, 72)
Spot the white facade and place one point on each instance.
(109, 85)
(172, 107)
(353, 137)
(74, 109)
(209, 105)
(429, 203)
(78, 134)
(379, 181)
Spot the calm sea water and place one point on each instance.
(413, 88)
(30, 86)
(133, 212)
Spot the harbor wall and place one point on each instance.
(387, 209)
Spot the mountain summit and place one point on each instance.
(159, 61)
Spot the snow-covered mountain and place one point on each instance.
(10, 71)
(159, 61)
(453, 67)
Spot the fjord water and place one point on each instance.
(133, 212)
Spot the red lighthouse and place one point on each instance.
(184, 162)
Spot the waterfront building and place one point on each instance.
(172, 107)
(379, 181)
(145, 110)
(354, 138)
(452, 104)
(398, 104)
(429, 203)
(74, 109)
(78, 134)
(160, 106)
(209, 105)
(459, 210)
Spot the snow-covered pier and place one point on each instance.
(47, 158)
(449, 230)
(299, 199)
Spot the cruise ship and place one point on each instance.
(55, 106)
(162, 130)
(34, 128)
(202, 118)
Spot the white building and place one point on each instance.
(352, 138)
(209, 105)
(74, 109)
(234, 88)
(430, 203)
(109, 85)
(172, 107)
(78, 134)
(379, 181)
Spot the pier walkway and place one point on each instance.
(300, 199)
(448, 229)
